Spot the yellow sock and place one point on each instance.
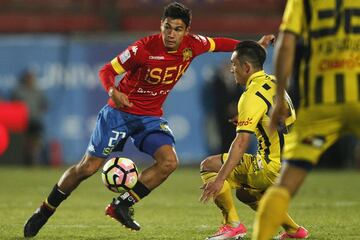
(289, 225)
(271, 213)
(223, 200)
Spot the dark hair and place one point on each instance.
(177, 10)
(252, 52)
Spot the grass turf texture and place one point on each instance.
(328, 206)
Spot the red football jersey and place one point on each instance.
(152, 71)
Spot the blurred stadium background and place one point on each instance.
(65, 42)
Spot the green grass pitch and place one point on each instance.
(328, 205)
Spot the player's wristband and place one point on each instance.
(111, 92)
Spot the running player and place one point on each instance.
(152, 66)
(249, 174)
(328, 79)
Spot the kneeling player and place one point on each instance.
(249, 174)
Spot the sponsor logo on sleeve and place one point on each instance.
(124, 56)
(246, 122)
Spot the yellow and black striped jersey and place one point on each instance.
(254, 108)
(328, 71)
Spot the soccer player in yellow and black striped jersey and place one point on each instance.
(249, 174)
(327, 72)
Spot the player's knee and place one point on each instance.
(86, 168)
(289, 187)
(204, 164)
(168, 165)
(210, 163)
(244, 196)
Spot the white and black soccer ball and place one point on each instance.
(119, 174)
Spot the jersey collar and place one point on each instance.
(254, 76)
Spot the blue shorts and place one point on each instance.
(114, 127)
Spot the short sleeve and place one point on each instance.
(202, 44)
(250, 111)
(132, 57)
(293, 17)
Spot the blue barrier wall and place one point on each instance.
(67, 70)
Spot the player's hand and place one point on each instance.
(120, 99)
(210, 190)
(234, 120)
(278, 115)
(266, 40)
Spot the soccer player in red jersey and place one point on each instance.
(152, 66)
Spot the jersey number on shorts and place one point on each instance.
(113, 141)
(118, 136)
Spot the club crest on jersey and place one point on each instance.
(187, 54)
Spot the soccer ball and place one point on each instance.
(119, 174)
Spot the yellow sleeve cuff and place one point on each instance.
(117, 67)
(212, 44)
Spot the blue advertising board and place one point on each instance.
(67, 70)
